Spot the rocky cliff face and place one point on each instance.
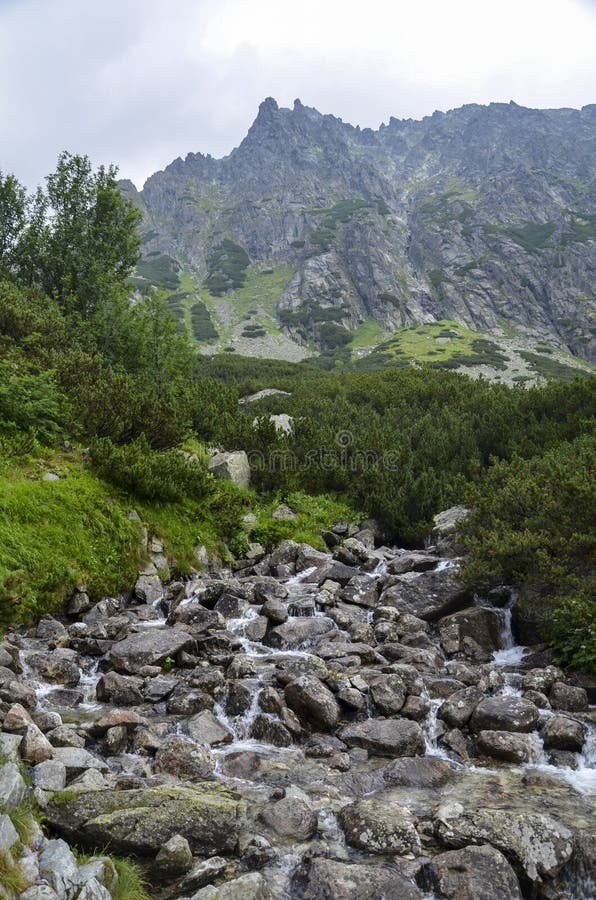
(483, 215)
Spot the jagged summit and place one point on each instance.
(485, 215)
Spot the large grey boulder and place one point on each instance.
(233, 466)
(385, 737)
(58, 867)
(380, 825)
(473, 873)
(507, 745)
(148, 648)
(536, 845)
(290, 818)
(479, 623)
(142, 821)
(444, 533)
(205, 728)
(313, 702)
(504, 714)
(563, 733)
(13, 789)
(8, 834)
(184, 758)
(297, 631)
(329, 879)
(427, 595)
(175, 857)
(252, 886)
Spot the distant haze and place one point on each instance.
(139, 82)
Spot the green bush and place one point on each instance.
(165, 475)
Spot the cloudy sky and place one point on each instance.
(139, 82)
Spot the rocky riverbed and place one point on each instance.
(326, 726)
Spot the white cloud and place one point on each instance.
(139, 82)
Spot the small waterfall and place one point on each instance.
(430, 729)
(511, 653)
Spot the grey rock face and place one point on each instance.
(413, 222)
(313, 702)
(232, 466)
(428, 595)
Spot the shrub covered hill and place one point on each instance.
(314, 234)
(106, 408)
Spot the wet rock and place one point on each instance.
(271, 731)
(290, 818)
(203, 873)
(13, 789)
(39, 892)
(149, 648)
(388, 693)
(385, 737)
(313, 702)
(329, 879)
(297, 631)
(504, 714)
(35, 747)
(186, 703)
(379, 825)
(275, 611)
(247, 887)
(413, 561)
(427, 595)
(337, 571)
(571, 699)
(65, 736)
(473, 873)
(515, 748)
(142, 821)
(127, 718)
(205, 728)
(123, 690)
(256, 629)
(416, 708)
(458, 708)
(563, 733)
(417, 772)
(537, 698)
(478, 622)
(424, 660)
(361, 590)
(242, 764)
(536, 845)
(541, 679)
(455, 740)
(174, 858)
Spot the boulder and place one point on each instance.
(247, 887)
(380, 825)
(148, 588)
(205, 728)
(142, 821)
(388, 693)
(123, 690)
(148, 648)
(569, 698)
(58, 867)
(50, 775)
(478, 622)
(504, 714)
(329, 879)
(233, 466)
(174, 858)
(385, 737)
(16, 720)
(35, 747)
(297, 631)
(536, 845)
(203, 873)
(313, 702)
(515, 748)
(563, 733)
(472, 873)
(427, 595)
(444, 533)
(13, 789)
(459, 706)
(290, 818)
(182, 757)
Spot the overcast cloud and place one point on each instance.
(139, 82)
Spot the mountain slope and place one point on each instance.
(482, 215)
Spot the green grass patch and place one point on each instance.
(368, 334)
(314, 515)
(131, 883)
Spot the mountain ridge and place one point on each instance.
(485, 215)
